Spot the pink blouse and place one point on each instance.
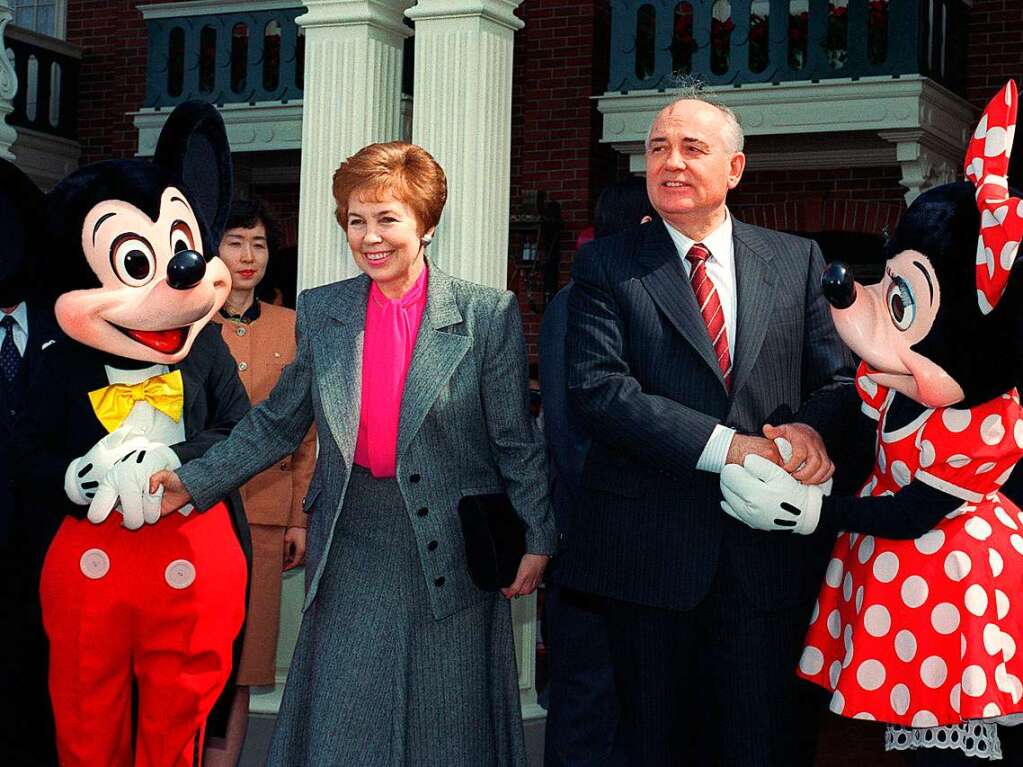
(391, 329)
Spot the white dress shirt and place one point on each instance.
(721, 270)
(19, 328)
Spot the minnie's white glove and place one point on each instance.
(764, 496)
(128, 481)
(83, 475)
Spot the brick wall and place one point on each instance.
(994, 48)
(867, 200)
(561, 59)
(113, 79)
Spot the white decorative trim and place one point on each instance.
(870, 412)
(371, 14)
(947, 487)
(210, 8)
(497, 11)
(45, 159)
(904, 431)
(8, 87)
(265, 126)
(868, 113)
(925, 162)
(759, 157)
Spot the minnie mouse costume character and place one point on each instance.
(143, 385)
(919, 618)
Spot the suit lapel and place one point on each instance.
(340, 380)
(436, 355)
(669, 286)
(755, 296)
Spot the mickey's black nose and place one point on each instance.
(838, 286)
(185, 270)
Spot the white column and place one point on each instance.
(462, 116)
(352, 98)
(8, 87)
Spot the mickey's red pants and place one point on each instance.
(162, 605)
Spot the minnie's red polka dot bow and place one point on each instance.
(1001, 216)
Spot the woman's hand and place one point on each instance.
(174, 493)
(528, 577)
(294, 547)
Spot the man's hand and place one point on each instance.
(174, 493)
(764, 496)
(128, 481)
(528, 577)
(809, 461)
(294, 547)
(744, 445)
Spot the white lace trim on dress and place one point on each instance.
(974, 738)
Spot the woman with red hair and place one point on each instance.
(417, 383)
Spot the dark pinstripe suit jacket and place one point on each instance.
(645, 383)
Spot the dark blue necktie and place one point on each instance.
(10, 357)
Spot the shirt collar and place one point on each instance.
(20, 315)
(414, 296)
(718, 242)
(249, 315)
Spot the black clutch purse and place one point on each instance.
(495, 539)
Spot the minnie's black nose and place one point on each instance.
(185, 270)
(838, 285)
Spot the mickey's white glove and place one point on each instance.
(83, 475)
(129, 481)
(764, 496)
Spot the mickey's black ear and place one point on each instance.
(193, 146)
(20, 206)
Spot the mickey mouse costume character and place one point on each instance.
(919, 618)
(144, 384)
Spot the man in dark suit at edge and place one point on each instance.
(684, 338)
(27, 330)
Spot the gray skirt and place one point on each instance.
(376, 680)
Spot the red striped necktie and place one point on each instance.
(710, 307)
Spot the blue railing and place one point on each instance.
(655, 43)
(47, 70)
(227, 58)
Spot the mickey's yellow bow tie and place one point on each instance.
(164, 392)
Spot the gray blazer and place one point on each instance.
(464, 426)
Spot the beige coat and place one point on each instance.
(262, 349)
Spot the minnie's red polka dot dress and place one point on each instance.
(924, 632)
